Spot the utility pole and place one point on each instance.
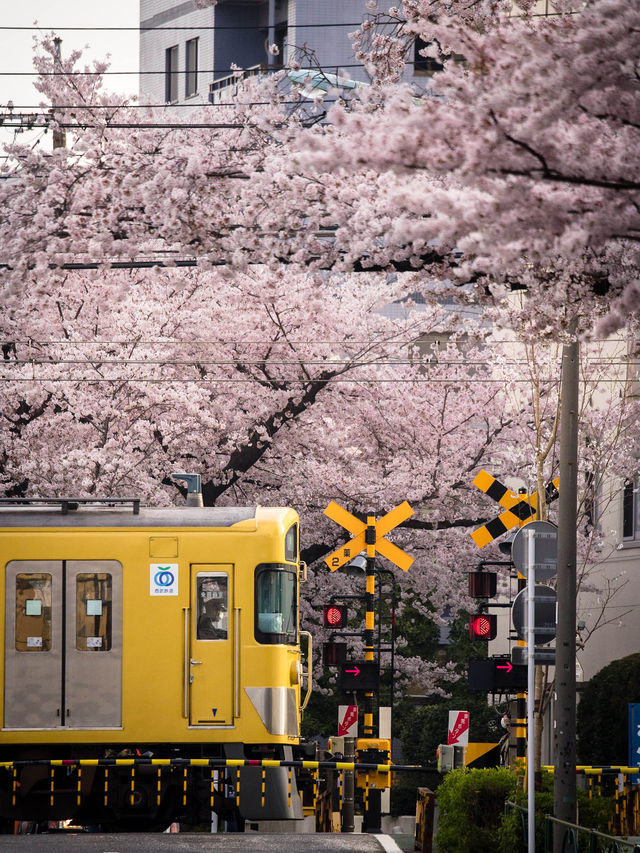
(564, 789)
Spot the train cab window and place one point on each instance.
(291, 544)
(93, 612)
(212, 590)
(33, 612)
(275, 604)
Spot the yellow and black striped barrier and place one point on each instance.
(216, 763)
(182, 766)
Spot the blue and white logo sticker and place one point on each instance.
(163, 579)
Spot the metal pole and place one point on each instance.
(564, 789)
(272, 31)
(369, 624)
(531, 689)
(372, 814)
(348, 786)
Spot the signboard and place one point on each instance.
(361, 675)
(496, 675)
(458, 730)
(545, 543)
(163, 579)
(347, 721)
(542, 657)
(545, 604)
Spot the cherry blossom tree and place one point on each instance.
(521, 157)
(271, 367)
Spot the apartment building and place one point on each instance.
(187, 53)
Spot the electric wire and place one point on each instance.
(204, 27)
(229, 71)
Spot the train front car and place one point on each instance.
(147, 641)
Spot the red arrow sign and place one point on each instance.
(506, 666)
(349, 719)
(355, 671)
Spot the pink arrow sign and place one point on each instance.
(506, 666)
(355, 671)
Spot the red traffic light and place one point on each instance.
(334, 615)
(483, 626)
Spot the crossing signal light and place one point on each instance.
(334, 616)
(483, 626)
(334, 654)
(483, 584)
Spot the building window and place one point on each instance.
(424, 65)
(171, 74)
(631, 510)
(191, 82)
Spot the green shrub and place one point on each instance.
(602, 719)
(593, 813)
(471, 808)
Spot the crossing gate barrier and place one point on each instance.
(112, 769)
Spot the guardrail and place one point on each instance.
(576, 838)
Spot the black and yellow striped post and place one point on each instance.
(521, 698)
(369, 624)
(372, 801)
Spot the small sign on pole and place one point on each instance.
(458, 732)
(347, 721)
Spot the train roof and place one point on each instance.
(73, 512)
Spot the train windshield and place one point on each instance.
(276, 604)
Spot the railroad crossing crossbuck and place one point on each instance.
(519, 508)
(359, 530)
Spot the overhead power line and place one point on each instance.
(355, 380)
(203, 27)
(228, 71)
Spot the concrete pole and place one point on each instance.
(564, 738)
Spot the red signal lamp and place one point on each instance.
(483, 626)
(334, 615)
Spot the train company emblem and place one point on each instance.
(163, 579)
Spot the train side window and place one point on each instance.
(33, 613)
(93, 612)
(291, 544)
(275, 604)
(212, 590)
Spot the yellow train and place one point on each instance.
(158, 632)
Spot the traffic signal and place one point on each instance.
(334, 616)
(483, 626)
(333, 654)
(483, 584)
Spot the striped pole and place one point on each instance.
(369, 625)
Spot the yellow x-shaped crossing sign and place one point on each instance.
(358, 530)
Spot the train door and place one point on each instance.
(63, 644)
(212, 656)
